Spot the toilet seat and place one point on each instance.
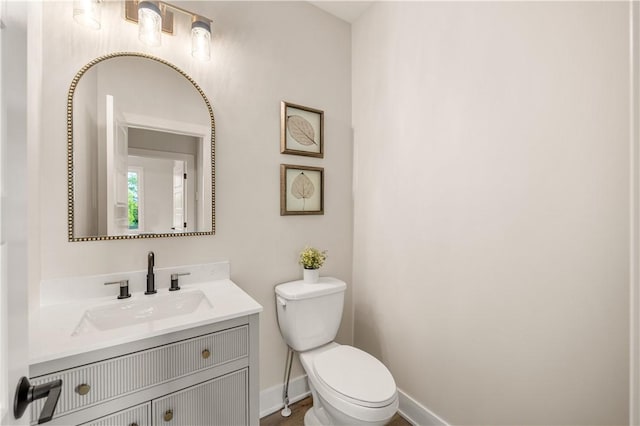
(356, 376)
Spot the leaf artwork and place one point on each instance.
(301, 130)
(302, 187)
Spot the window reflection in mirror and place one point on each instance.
(141, 150)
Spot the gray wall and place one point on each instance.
(491, 243)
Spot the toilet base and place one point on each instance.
(313, 415)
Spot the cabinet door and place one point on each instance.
(221, 401)
(134, 416)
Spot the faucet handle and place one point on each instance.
(124, 288)
(174, 280)
(179, 274)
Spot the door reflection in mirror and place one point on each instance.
(168, 164)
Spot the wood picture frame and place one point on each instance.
(301, 130)
(301, 190)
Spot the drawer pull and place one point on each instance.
(206, 354)
(168, 415)
(83, 389)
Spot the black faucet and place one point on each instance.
(151, 282)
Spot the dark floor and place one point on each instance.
(297, 416)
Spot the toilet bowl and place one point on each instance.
(348, 385)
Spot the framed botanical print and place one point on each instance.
(301, 190)
(301, 130)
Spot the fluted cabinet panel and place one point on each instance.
(138, 415)
(119, 376)
(218, 402)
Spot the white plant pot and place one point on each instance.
(311, 276)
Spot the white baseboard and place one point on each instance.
(416, 413)
(410, 409)
(271, 398)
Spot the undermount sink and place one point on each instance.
(148, 308)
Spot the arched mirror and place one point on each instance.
(140, 151)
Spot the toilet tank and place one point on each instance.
(309, 315)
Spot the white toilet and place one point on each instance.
(349, 386)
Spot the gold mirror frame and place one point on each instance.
(70, 184)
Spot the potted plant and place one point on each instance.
(311, 260)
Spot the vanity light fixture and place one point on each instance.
(87, 13)
(153, 18)
(160, 17)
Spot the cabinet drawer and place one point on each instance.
(218, 402)
(138, 415)
(95, 383)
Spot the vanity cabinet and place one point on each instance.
(206, 375)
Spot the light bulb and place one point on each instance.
(201, 40)
(87, 13)
(149, 23)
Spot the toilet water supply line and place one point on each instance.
(286, 411)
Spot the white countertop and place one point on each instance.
(52, 326)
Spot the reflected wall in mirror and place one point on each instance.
(140, 151)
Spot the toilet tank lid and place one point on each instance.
(296, 290)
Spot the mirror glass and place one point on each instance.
(141, 151)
